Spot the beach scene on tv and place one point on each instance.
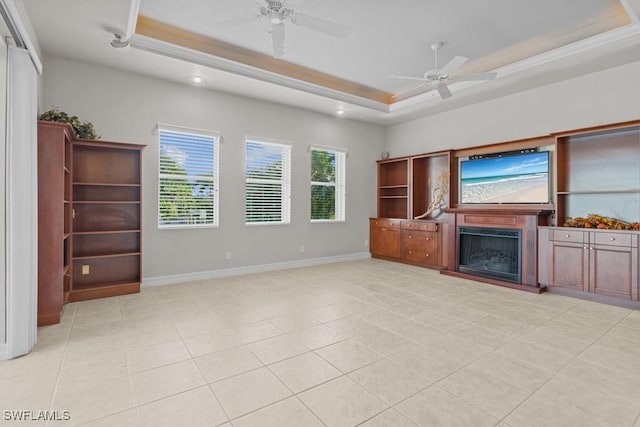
(522, 178)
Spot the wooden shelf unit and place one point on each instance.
(393, 188)
(405, 186)
(425, 170)
(107, 219)
(54, 219)
(598, 171)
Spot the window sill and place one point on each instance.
(327, 221)
(187, 227)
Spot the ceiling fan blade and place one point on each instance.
(419, 79)
(476, 77)
(277, 37)
(453, 65)
(321, 25)
(444, 91)
(237, 21)
(396, 95)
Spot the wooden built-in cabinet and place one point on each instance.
(410, 241)
(405, 187)
(421, 243)
(106, 219)
(385, 237)
(89, 219)
(603, 262)
(597, 171)
(54, 220)
(594, 171)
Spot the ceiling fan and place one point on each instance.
(277, 12)
(439, 77)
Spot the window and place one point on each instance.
(188, 178)
(327, 184)
(268, 183)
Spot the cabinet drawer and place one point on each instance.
(420, 246)
(420, 238)
(420, 225)
(424, 257)
(387, 223)
(569, 236)
(612, 239)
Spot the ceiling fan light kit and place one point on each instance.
(439, 78)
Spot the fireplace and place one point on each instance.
(515, 259)
(490, 252)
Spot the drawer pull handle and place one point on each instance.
(591, 248)
(566, 235)
(586, 247)
(613, 238)
(410, 236)
(428, 238)
(427, 255)
(410, 252)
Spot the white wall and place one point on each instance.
(126, 107)
(600, 98)
(3, 141)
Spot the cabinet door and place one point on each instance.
(392, 242)
(614, 271)
(570, 265)
(376, 240)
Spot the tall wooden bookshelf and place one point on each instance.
(106, 211)
(54, 219)
(89, 219)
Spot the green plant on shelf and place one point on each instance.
(82, 129)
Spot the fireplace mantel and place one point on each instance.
(502, 210)
(526, 220)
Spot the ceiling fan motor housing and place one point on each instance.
(275, 11)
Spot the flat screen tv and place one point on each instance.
(510, 178)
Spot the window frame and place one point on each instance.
(285, 182)
(216, 138)
(339, 184)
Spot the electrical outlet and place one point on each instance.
(228, 255)
(85, 269)
(301, 248)
(366, 242)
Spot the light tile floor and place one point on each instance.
(367, 343)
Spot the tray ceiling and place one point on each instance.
(224, 41)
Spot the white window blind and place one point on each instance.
(268, 183)
(328, 170)
(188, 179)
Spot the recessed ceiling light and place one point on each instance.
(196, 80)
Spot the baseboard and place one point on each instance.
(4, 351)
(604, 299)
(252, 269)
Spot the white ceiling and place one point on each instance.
(529, 43)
